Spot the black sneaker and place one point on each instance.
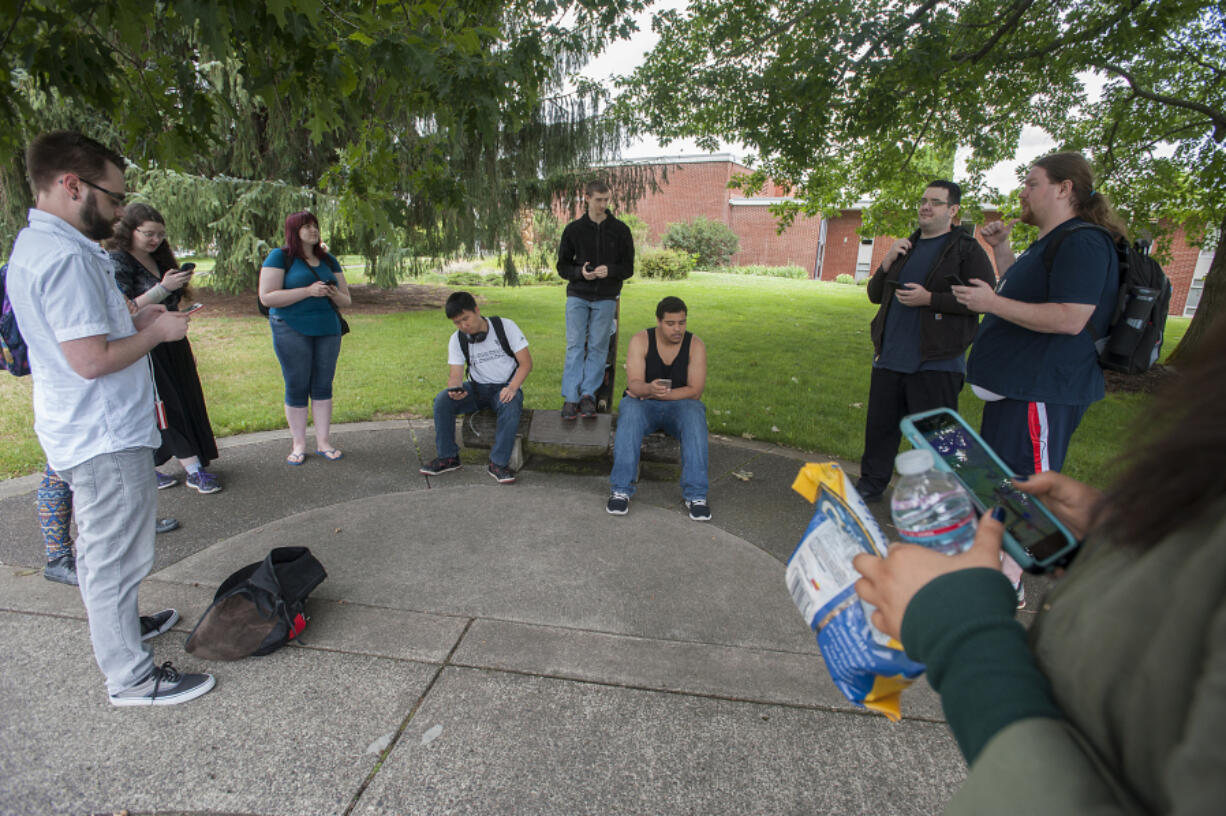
(62, 570)
(165, 685)
(618, 504)
(587, 406)
(501, 473)
(867, 493)
(699, 511)
(158, 623)
(570, 410)
(440, 465)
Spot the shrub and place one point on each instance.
(461, 280)
(793, 272)
(665, 264)
(844, 278)
(862, 282)
(712, 242)
(639, 230)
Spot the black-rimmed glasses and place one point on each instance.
(118, 198)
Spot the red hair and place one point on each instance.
(293, 223)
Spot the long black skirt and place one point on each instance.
(188, 433)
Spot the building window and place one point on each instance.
(1198, 282)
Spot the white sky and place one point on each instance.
(624, 56)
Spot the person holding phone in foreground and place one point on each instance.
(495, 353)
(302, 285)
(146, 272)
(1115, 701)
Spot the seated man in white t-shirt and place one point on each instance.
(496, 355)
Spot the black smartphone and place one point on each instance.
(456, 389)
(894, 283)
(1033, 536)
(954, 280)
(187, 267)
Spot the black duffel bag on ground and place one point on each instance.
(259, 608)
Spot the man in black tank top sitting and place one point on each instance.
(666, 370)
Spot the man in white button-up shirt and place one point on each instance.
(93, 401)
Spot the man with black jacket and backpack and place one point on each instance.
(921, 331)
(596, 254)
(495, 353)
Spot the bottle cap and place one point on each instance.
(911, 462)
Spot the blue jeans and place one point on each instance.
(589, 326)
(115, 496)
(480, 395)
(308, 362)
(684, 420)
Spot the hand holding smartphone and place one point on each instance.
(1033, 536)
(195, 307)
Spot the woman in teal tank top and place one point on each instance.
(303, 287)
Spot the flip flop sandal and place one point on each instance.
(295, 459)
(331, 454)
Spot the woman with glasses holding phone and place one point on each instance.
(147, 272)
(303, 286)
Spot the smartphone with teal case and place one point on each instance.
(1033, 536)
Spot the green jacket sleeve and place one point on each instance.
(961, 626)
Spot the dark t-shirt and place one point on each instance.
(900, 344)
(1035, 366)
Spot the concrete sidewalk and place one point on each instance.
(476, 648)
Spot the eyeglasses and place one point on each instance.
(118, 198)
(935, 202)
(152, 235)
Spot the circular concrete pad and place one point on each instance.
(529, 555)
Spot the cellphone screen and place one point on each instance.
(966, 456)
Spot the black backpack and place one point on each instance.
(500, 333)
(14, 355)
(1133, 341)
(258, 609)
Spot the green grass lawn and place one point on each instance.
(788, 363)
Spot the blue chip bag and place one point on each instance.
(868, 666)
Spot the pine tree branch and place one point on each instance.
(1217, 117)
(16, 19)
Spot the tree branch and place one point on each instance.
(1072, 39)
(1217, 117)
(1019, 9)
(919, 12)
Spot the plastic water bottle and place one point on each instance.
(930, 507)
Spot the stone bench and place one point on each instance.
(585, 444)
(477, 432)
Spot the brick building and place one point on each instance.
(826, 248)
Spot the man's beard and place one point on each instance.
(93, 225)
(1028, 215)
